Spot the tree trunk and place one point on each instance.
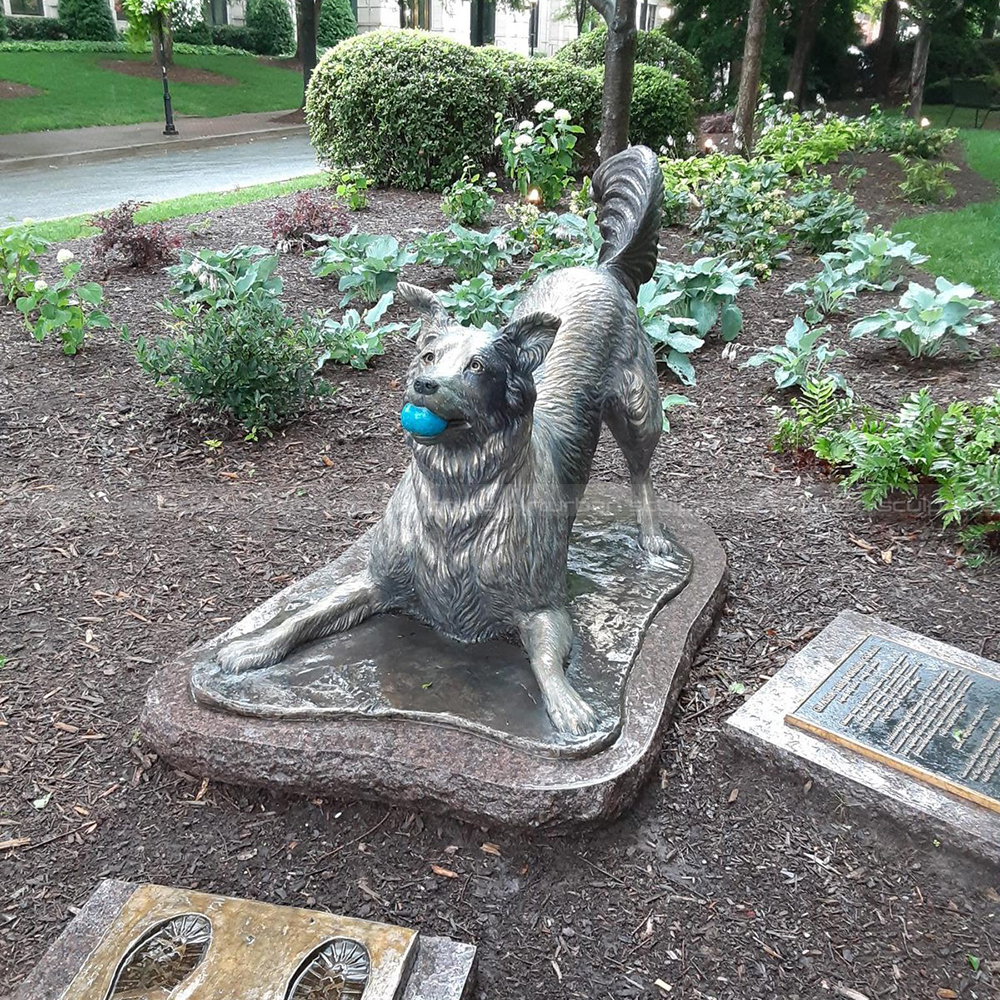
(619, 67)
(884, 50)
(808, 26)
(918, 72)
(753, 52)
(308, 15)
(163, 41)
(992, 17)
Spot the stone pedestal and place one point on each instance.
(463, 730)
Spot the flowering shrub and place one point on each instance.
(62, 308)
(538, 157)
(144, 14)
(141, 248)
(469, 200)
(303, 226)
(367, 266)
(19, 249)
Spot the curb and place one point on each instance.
(111, 152)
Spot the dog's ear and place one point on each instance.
(532, 336)
(428, 307)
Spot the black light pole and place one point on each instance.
(168, 111)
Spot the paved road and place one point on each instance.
(50, 192)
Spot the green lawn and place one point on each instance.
(964, 245)
(78, 92)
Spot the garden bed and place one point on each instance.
(128, 532)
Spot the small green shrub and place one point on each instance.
(652, 48)
(336, 22)
(234, 37)
(35, 29)
(470, 199)
(662, 114)
(801, 359)
(902, 134)
(467, 252)
(220, 279)
(923, 182)
(250, 362)
(4, 30)
(355, 339)
(198, 33)
(406, 106)
(367, 266)
(538, 156)
(927, 321)
(824, 216)
(352, 187)
(20, 248)
(270, 23)
(65, 309)
(477, 302)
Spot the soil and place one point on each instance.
(9, 89)
(178, 74)
(127, 535)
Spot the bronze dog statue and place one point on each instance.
(475, 537)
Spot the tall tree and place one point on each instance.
(809, 19)
(305, 36)
(619, 68)
(924, 13)
(884, 49)
(746, 102)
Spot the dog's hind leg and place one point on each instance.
(547, 637)
(347, 604)
(635, 417)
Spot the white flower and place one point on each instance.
(767, 95)
(27, 222)
(542, 106)
(497, 140)
(41, 284)
(789, 95)
(521, 141)
(670, 141)
(526, 125)
(690, 138)
(562, 115)
(820, 100)
(64, 256)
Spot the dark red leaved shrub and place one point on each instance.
(293, 230)
(142, 248)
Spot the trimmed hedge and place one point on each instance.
(35, 29)
(88, 20)
(270, 23)
(234, 37)
(662, 111)
(336, 22)
(73, 45)
(652, 48)
(3, 29)
(404, 106)
(198, 33)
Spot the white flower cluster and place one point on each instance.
(182, 12)
(543, 106)
(64, 256)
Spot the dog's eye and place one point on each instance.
(427, 357)
(475, 365)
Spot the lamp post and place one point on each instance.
(168, 111)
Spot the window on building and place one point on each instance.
(415, 14)
(217, 11)
(484, 22)
(533, 29)
(30, 7)
(647, 16)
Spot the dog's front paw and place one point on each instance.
(251, 653)
(571, 714)
(657, 544)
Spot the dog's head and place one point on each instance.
(479, 381)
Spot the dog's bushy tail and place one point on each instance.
(628, 189)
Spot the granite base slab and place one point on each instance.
(464, 773)
(441, 969)
(916, 810)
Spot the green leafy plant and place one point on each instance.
(673, 337)
(815, 416)
(88, 19)
(927, 320)
(708, 290)
(923, 182)
(65, 309)
(249, 361)
(875, 259)
(270, 24)
(355, 339)
(801, 359)
(477, 302)
(798, 140)
(560, 241)
(467, 252)
(828, 291)
(824, 216)
(670, 402)
(538, 156)
(222, 278)
(662, 114)
(470, 199)
(336, 22)
(19, 252)
(903, 134)
(351, 186)
(581, 201)
(367, 266)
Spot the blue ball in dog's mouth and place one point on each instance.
(421, 421)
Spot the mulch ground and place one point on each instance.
(10, 90)
(125, 536)
(178, 74)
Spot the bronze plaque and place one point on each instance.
(171, 944)
(928, 717)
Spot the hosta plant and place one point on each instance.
(797, 140)
(565, 241)
(928, 320)
(367, 266)
(824, 216)
(467, 252)
(828, 291)
(674, 338)
(63, 309)
(469, 200)
(876, 259)
(801, 359)
(19, 252)
(671, 401)
(356, 338)
(708, 290)
(221, 278)
(538, 156)
(478, 302)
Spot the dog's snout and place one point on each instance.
(425, 386)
